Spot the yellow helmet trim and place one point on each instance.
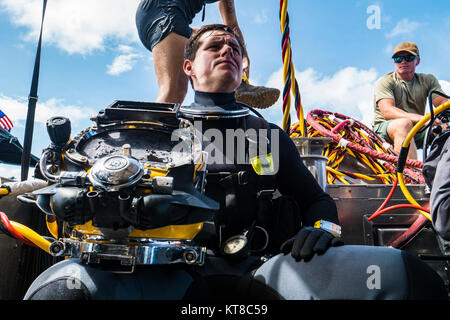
(181, 232)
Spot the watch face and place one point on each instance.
(234, 245)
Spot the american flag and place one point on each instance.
(5, 123)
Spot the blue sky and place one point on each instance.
(92, 56)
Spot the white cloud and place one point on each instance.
(349, 92)
(445, 85)
(124, 62)
(13, 172)
(404, 27)
(16, 109)
(261, 17)
(79, 26)
(125, 49)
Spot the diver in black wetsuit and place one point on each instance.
(295, 185)
(214, 79)
(244, 192)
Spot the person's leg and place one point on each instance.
(164, 30)
(397, 130)
(73, 280)
(168, 62)
(353, 272)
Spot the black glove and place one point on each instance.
(309, 241)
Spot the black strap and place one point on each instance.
(32, 100)
(203, 13)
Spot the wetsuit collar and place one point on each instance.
(213, 105)
(214, 98)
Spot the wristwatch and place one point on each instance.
(332, 228)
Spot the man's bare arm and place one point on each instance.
(228, 13)
(439, 100)
(389, 111)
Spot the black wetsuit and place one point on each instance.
(292, 179)
(155, 19)
(297, 190)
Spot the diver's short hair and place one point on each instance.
(190, 50)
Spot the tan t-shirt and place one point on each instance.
(409, 95)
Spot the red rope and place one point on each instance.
(340, 125)
(372, 153)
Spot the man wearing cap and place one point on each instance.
(401, 96)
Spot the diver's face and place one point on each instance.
(217, 66)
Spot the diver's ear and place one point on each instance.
(187, 67)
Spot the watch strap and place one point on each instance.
(328, 226)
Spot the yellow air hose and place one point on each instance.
(405, 147)
(31, 235)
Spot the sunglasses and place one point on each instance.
(407, 58)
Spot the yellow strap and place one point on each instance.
(263, 169)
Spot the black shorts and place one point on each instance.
(155, 19)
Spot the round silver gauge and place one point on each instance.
(115, 163)
(235, 244)
(115, 172)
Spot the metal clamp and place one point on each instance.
(265, 193)
(243, 178)
(159, 252)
